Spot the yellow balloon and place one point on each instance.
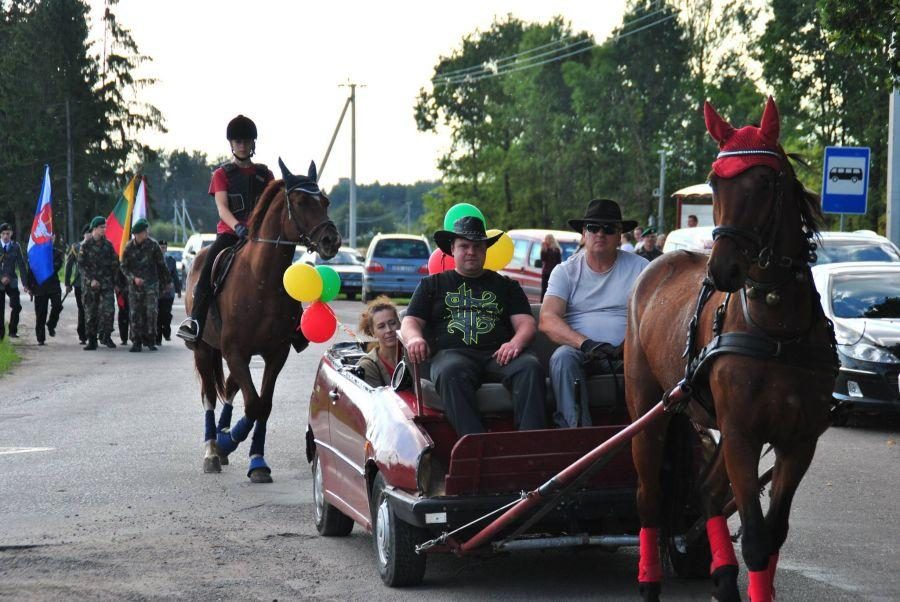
(302, 282)
(500, 253)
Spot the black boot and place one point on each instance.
(108, 342)
(136, 348)
(92, 344)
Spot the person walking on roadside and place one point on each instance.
(73, 280)
(146, 272)
(123, 312)
(48, 293)
(11, 258)
(99, 264)
(551, 256)
(167, 297)
(647, 248)
(236, 187)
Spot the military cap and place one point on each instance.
(98, 221)
(162, 242)
(4, 227)
(648, 232)
(140, 226)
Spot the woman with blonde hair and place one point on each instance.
(381, 322)
(551, 256)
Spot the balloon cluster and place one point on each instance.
(498, 254)
(316, 286)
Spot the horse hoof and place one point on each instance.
(223, 460)
(212, 464)
(260, 475)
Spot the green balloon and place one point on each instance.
(460, 210)
(331, 282)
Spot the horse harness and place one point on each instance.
(305, 239)
(795, 351)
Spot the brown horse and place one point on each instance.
(253, 315)
(761, 359)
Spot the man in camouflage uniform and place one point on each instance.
(167, 297)
(73, 279)
(146, 273)
(98, 263)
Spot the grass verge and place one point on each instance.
(8, 356)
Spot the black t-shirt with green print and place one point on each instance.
(468, 313)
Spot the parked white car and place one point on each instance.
(192, 247)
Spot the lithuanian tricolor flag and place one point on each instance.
(118, 224)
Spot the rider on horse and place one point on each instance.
(236, 187)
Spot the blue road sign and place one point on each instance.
(845, 179)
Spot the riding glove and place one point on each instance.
(241, 231)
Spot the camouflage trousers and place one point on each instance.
(99, 310)
(143, 306)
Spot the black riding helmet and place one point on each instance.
(241, 128)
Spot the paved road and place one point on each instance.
(102, 497)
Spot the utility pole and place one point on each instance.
(353, 165)
(660, 219)
(408, 228)
(70, 170)
(893, 166)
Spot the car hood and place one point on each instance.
(884, 332)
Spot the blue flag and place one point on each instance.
(40, 245)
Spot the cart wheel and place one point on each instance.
(690, 561)
(395, 542)
(330, 521)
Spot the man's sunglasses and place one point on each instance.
(605, 228)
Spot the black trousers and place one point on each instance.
(457, 374)
(41, 321)
(15, 308)
(203, 289)
(164, 318)
(80, 328)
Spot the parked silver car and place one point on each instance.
(349, 266)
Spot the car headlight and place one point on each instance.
(869, 353)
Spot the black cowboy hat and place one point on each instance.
(469, 227)
(307, 183)
(602, 211)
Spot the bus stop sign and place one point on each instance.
(845, 179)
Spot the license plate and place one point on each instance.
(404, 268)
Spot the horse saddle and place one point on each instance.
(222, 265)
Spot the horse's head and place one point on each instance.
(307, 208)
(746, 196)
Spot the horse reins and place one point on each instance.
(305, 239)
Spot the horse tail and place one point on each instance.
(209, 364)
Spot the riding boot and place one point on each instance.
(92, 344)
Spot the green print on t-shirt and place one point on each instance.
(470, 316)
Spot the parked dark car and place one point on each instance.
(347, 264)
(863, 301)
(395, 263)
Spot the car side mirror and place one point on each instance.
(403, 377)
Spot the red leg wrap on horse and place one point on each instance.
(760, 589)
(720, 543)
(649, 567)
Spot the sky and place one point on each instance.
(282, 64)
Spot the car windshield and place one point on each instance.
(342, 258)
(401, 248)
(840, 251)
(866, 295)
(175, 254)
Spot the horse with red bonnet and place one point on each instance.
(253, 315)
(760, 356)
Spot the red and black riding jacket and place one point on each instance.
(244, 189)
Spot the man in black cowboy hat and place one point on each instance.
(235, 186)
(479, 324)
(584, 310)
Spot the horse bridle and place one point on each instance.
(305, 238)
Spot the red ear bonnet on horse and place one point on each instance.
(739, 150)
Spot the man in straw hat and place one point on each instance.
(584, 310)
(479, 325)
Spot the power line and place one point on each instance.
(530, 63)
(496, 64)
